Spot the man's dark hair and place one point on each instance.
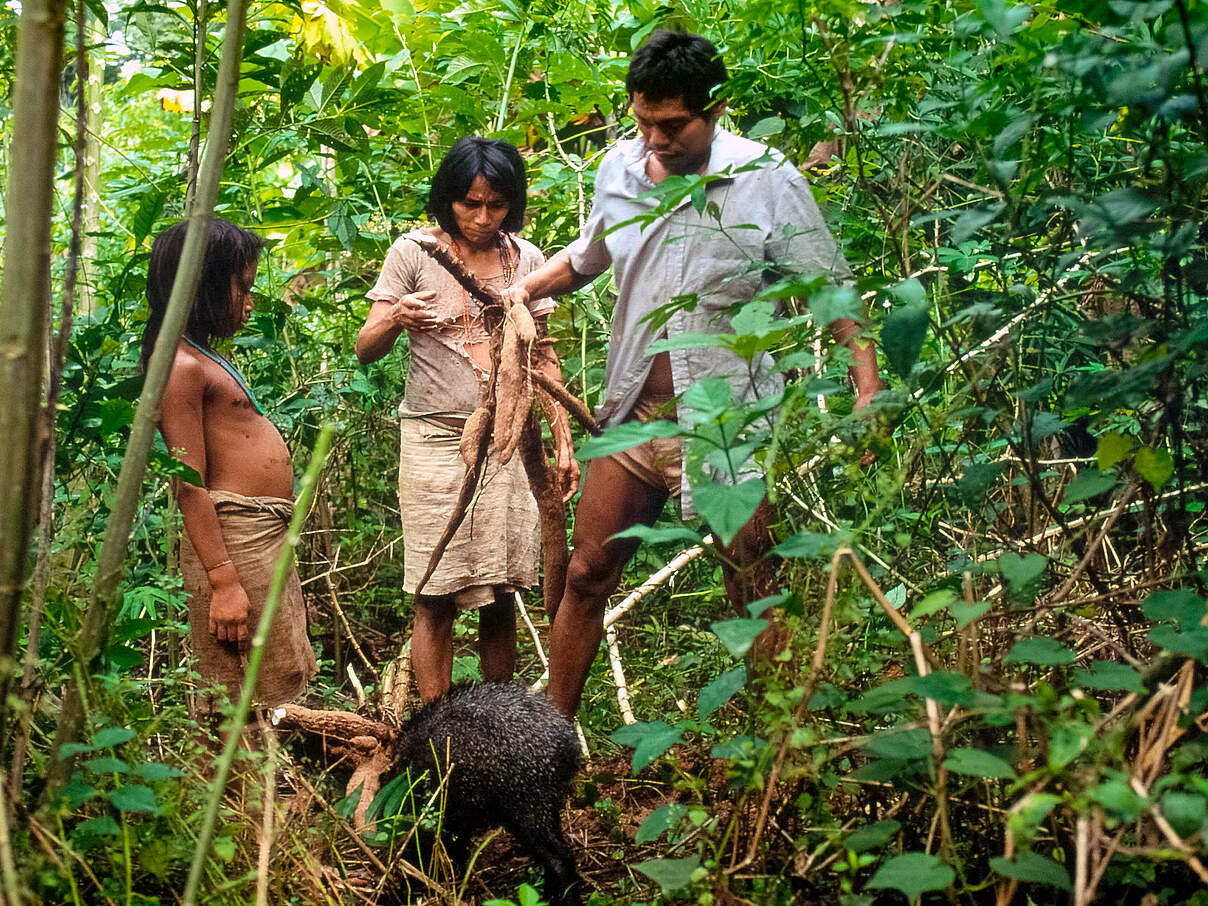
(677, 64)
(497, 161)
(230, 252)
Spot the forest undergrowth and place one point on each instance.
(995, 687)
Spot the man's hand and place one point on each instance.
(229, 607)
(566, 467)
(411, 312)
(517, 294)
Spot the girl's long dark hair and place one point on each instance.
(230, 252)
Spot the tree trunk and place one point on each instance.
(24, 308)
(94, 627)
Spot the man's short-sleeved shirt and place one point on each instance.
(767, 214)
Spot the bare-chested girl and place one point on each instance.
(236, 522)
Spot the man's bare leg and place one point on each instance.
(497, 638)
(613, 499)
(432, 645)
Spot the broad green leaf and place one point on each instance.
(652, 535)
(934, 602)
(107, 766)
(901, 745)
(1067, 742)
(902, 336)
(721, 690)
(872, 836)
(659, 821)
(1186, 812)
(944, 686)
(727, 508)
(1026, 816)
(1192, 643)
(112, 736)
(689, 341)
(1113, 448)
(76, 792)
(624, 436)
(670, 874)
(770, 125)
(910, 292)
(756, 608)
(153, 770)
(101, 826)
(224, 848)
(1118, 798)
(1040, 650)
(134, 798)
(738, 634)
(1090, 483)
(1128, 204)
(1033, 868)
(649, 740)
(709, 396)
(813, 545)
(977, 763)
(1181, 605)
(1108, 675)
(1155, 466)
(967, 613)
(913, 874)
(1021, 572)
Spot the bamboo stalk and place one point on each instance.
(24, 291)
(238, 720)
(94, 626)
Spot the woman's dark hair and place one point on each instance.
(677, 64)
(471, 156)
(230, 252)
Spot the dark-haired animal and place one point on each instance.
(510, 756)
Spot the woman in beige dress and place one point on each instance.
(477, 200)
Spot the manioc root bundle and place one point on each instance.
(507, 417)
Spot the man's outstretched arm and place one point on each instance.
(554, 278)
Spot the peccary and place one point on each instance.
(513, 756)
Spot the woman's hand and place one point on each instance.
(411, 312)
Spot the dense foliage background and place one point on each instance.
(996, 687)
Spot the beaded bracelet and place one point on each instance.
(226, 562)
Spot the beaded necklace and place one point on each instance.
(506, 265)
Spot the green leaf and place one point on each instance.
(902, 336)
(224, 848)
(738, 634)
(1128, 204)
(721, 690)
(107, 766)
(1034, 869)
(967, 613)
(901, 745)
(944, 686)
(659, 821)
(1181, 605)
(1155, 466)
(978, 764)
(624, 436)
(342, 226)
(1118, 798)
(770, 125)
(1067, 742)
(813, 545)
(934, 601)
(76, 792)
(1021, 572)
(1090, 483)
(112, 736)
(134, 798)
(1186, 812)
(1108, 675)
(689, 341)
(1192, 643)
(101, 826)
(1040, 650)
(872, 836)
(649, 740)
(153, 770)
(727, 508)
(652, 535)
(1113, 448)
(913, 874)
(670, 874)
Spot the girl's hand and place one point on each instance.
(411, 312)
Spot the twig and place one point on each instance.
(266, 827)
(335, 605)
(524, 615)
(798, 714)
(356, 685)
(678, 562)
(8, 868)
(618, 675)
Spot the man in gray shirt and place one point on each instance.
(757, 209)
